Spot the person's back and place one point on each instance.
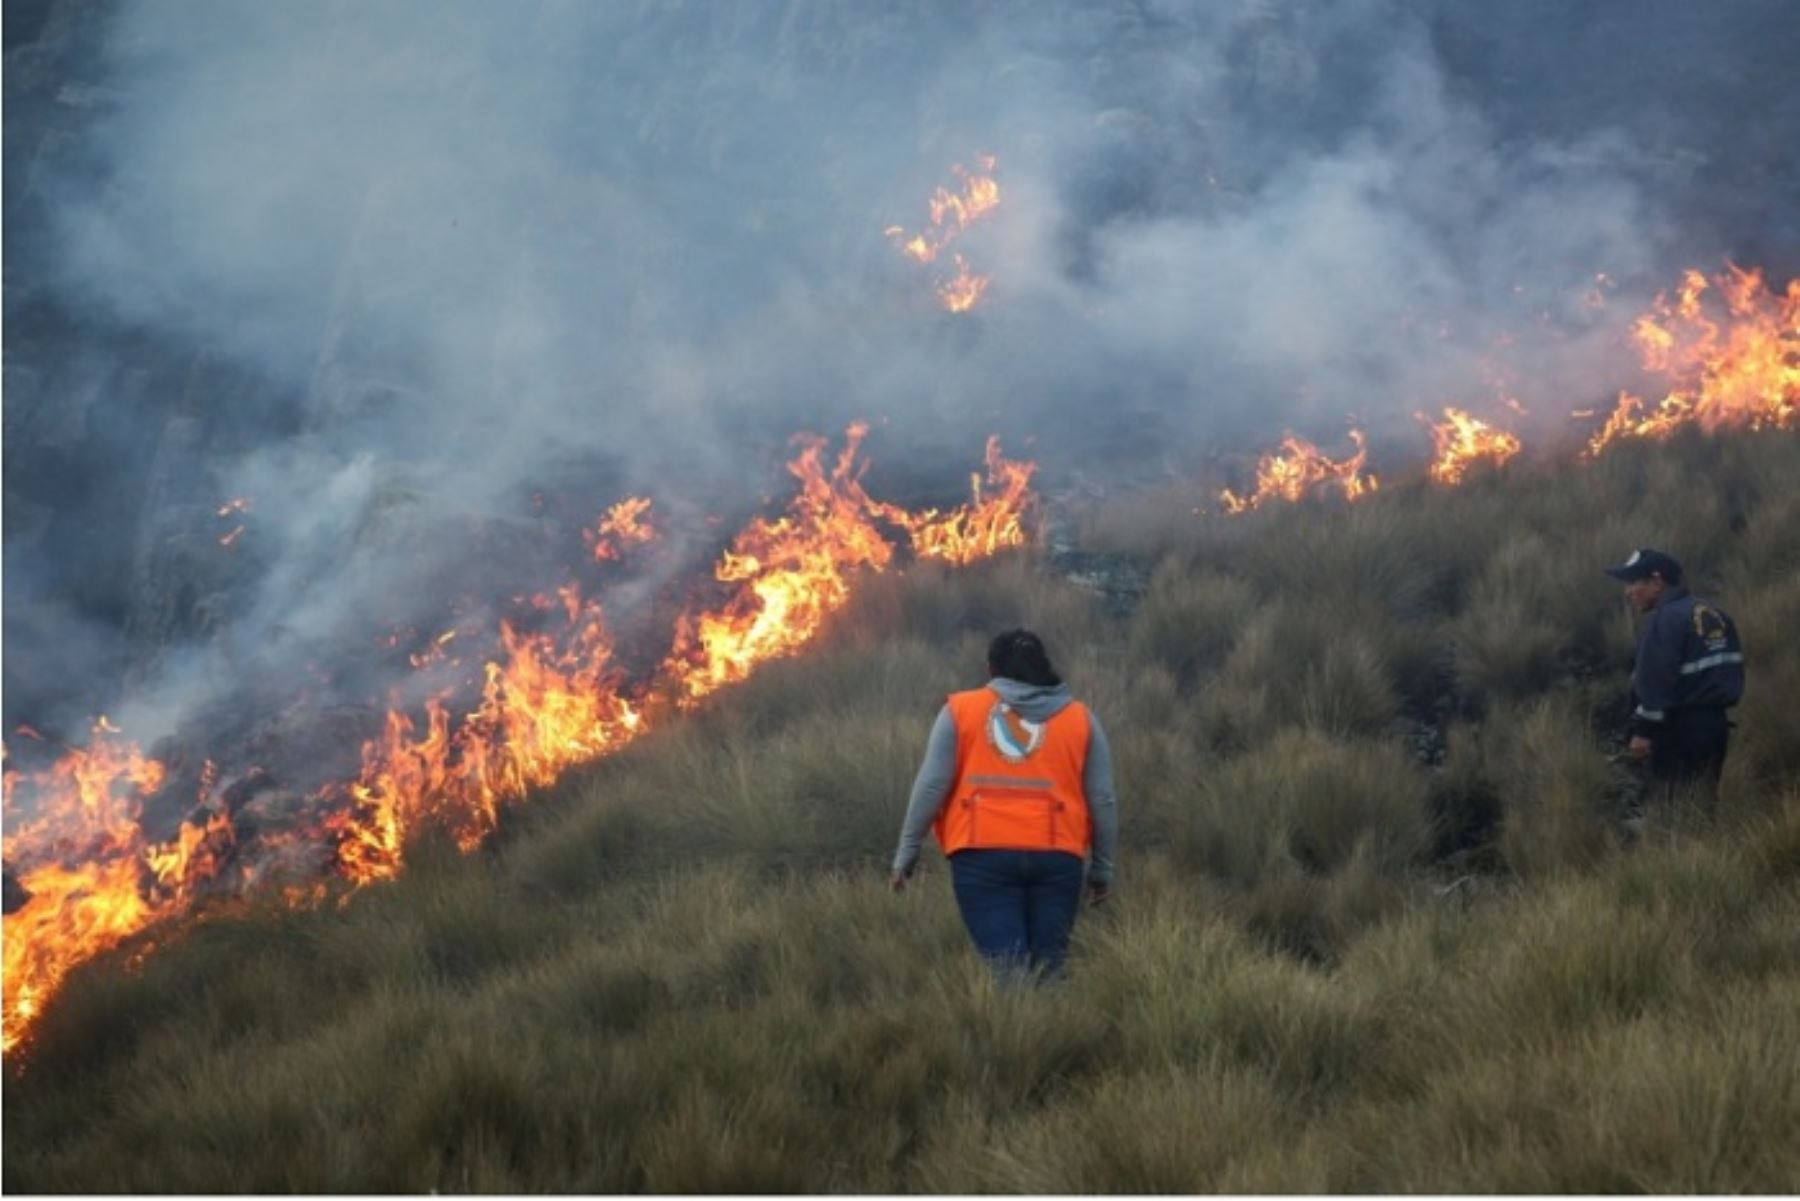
(1016, 784)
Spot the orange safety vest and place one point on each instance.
(1018, 785)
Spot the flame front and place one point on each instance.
(951, 214)
(993, 521)
(788, 575)
(551, 698)
(1731, 348)
(550, 703)
(1298, 469)
(92, 876)
(1460, 441)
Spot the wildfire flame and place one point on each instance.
(1731, 346)
(552, 703)
(993, 521)
(552, 697)
(92, 876)
(790, 574)
(624, 525)
(1299, 468)
(952, 212)
(1461, 441)
(963, 290)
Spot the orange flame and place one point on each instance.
(790, 575)
(987, 525)
(963, 290)
(550, 700)
(951, 214)
(1461, 441)
(1299, 468)
(551, 704)
(91, 876)
(624, 525)
(1734, 362)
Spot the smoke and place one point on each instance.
(432, 287)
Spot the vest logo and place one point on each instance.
(1011, 735)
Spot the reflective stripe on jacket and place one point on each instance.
(1018, 783)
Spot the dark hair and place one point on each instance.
(1020, 655)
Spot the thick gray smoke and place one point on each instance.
(430, 283)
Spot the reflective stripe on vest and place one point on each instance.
(1018, 783)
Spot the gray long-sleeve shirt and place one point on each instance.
(1037, 703)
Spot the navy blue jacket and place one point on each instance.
(1688, 657)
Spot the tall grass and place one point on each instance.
(1330, 965)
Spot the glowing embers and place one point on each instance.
(90, 876)
(952, 212)
(1731, 349)
(232, 511)
(1460, 441)
(1300, 469)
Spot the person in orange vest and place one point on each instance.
(1017, 786)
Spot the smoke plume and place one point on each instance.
(429, 286)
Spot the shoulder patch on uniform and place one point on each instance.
(1709, 627)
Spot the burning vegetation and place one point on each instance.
(625, 525)
(550, 699)
(1461, 441)
(1301, 469)
(1731, 350)
(953, 212)
(87, 874)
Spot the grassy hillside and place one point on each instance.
(1374, 927)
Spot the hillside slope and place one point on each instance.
(1375, 928)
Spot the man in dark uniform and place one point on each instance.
(1689, 672)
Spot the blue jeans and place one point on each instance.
(1019, 906)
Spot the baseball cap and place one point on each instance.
(1643, 563)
